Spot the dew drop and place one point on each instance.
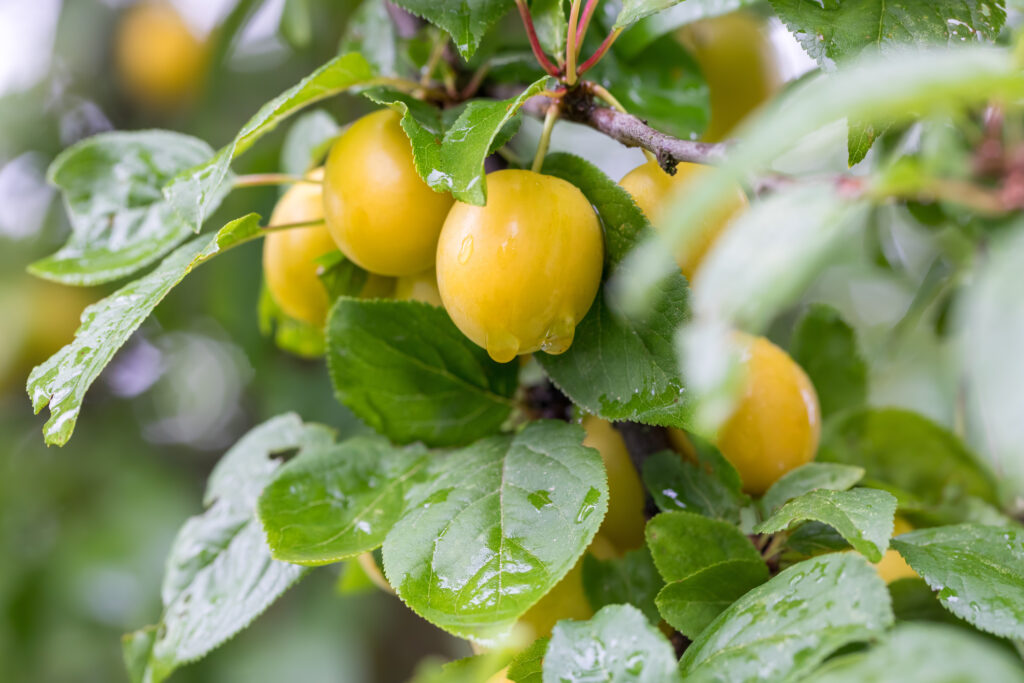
(559, 336)
(502, 346)
(466, 249)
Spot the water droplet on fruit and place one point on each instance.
(559, 336)
(466, 249)
(502, 346)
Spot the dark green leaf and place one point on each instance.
(62, 381)
(913, 600)
(807, 478)
(194, 192)
(617, 645)
(683, 543)
(826, 348)
(220, 575)
(120, 222)
(306, 142)
(551, 24)
(783, 629)
(407, 371)
(835, 31)
(631, 579)
(495, 526)
(711, 486)
(907, 454)
(813, 538)
(465, 20)
(338, 501)
(693, 603)
(864, 517)
(920, 652)
(527, 666)
(977, 570)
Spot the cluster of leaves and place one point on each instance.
(478, 516)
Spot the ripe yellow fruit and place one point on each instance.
(652, 189)
(379, 211)
(776, 423)
(419, 287)
(624, 524)
(159, 60)
(892, 565)
(741, 67)
(517, 275)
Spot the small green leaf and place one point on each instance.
(551, 24)
(423, 125)
(62, 381)
(371, 32)
(783, 629)
(466, 21)
(495, 526)
(807, 478)
(617, 645)
(340, 276)
(635, 10)
(906, 454)
(691, 604)
(220, 575)
(977, 570)
(631, 579)
(306, 142)
(826, 348)
(406, 370)
(711, 486)
(527, 666)
(194, 192)
(860, 137)
(120, 221)
(925, 652)
(683, 543)
(864, 517)
(335, 502)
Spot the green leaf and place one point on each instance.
(340, 276)
(466, 21)
(711, 486)
(811, 539)
(864, 517)
(338, 501)
(120, 222)
(371, 32)
(925, 652)
(527, 666)
(836, 31)
(495, 526)
(683, 543)
(617, 645)
(906, 454)
(860, 138)
(294, 336)
(306, 142)
(62, 381)
(635, 10)
(826, 348)
(650, 28)
(621, 369)
(977, 570)
(220, 575)
(631, 579)
(551, 25)
(406, 370)
(783, 629)
(193, 192)
(807, 478)
(691, 604)
(297, 23)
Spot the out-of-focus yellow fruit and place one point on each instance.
(419, 287)
(379, 211)
(625, 521)
(652, 189)
(892, 565)
(681, 444)
(776, 423)
(160, 62)
(517, 275)
(500, 677)
(740, 65)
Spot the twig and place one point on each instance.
(599, 52)
(531, 33)
(435, 57)
(545, 137)
(570, 43)
(603, 93)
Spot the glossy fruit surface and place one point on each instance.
(624, 524)
(740, 65)
(159, 60)
(289, 256)
(892, 565)
(517, 275)
(419, 287)
(379, 211)
(776, 423)
(653, 189)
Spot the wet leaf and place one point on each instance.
(783, 629)
(551, 24)
(827, 349)
(120, 221)
(338, 501)
(807, 478)
(710, 486)
(631, 579)
(684, 543)
(466, 21)
(306, 142)
(406, 370)
(977, 570)
(371, 32)
(495, 526)
(617, 645)
(527, 666)
(691, 604)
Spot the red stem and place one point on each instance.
(599, 53)
(581, 30)
(531, 33)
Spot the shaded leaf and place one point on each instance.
(527, 666)
(294, 336)
(807, 478)
(683, 543)
(691, 604)
(826, 348)
(466, 21)
(631, 579)
(551, 24)
(711, 486)
(371, 32)
(307, 141)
